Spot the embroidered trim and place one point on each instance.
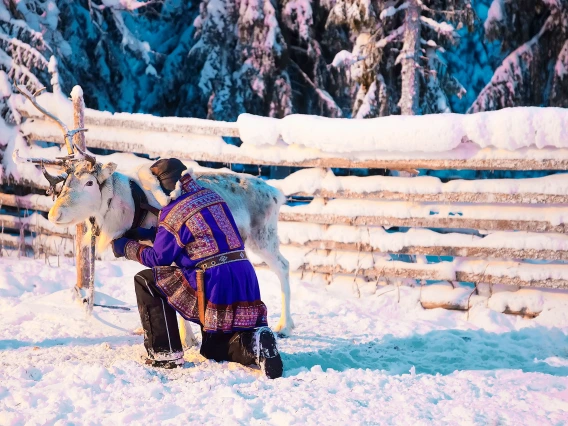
(232, 235)
(218, 318)
(183, 298)
(188, 184)
(204, 244)
(131, 250)
(186, 208)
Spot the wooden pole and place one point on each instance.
(83, 251)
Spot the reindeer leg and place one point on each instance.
(267, 249)
(280, 266)
(187, 337)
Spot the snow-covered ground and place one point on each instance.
(369, 360)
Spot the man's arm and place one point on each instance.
(165, 251)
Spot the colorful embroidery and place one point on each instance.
(204, 244)
(226, 226)
(187, 207)
(188, 184)
(241, 316)
(177, 290)
(132, 250)
(183, 298)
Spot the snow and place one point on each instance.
(377, 358)
(130, 5)
(407, 209)
(258, 130)
(391, 10)
(76, 92)
(343, 58)
(495, 14)
(507, 129)
(442, 28)
(351, 262)
(313, 180)
(378, 238)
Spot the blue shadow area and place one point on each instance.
(441, 352)
(68, 341)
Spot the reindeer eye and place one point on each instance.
(89, 183)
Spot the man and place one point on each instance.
(212, 282)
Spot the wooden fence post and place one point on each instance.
(84, 260)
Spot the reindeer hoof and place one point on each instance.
(284, 328)
(189, 343)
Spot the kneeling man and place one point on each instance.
(212, 283)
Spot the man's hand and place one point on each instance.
(118, 246)
(141, 234)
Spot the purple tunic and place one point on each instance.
(196, 226)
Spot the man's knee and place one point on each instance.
(144, 281)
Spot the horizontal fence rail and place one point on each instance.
(429, 222)
(456, 197)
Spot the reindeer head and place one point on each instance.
(81, 196)
(84, 178)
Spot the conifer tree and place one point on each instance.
(534, 35)
(397, 62)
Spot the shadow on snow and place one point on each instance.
(440, 352)
(68, 341)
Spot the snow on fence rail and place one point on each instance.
(515, 139)
(482, 224)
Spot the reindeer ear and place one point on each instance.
(105, 172)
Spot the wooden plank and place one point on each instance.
(429, 222)
(85, 263)
(166, 124)
(445, 197)
(150, 123)
(471, 164)
(29, 223)
(428, 273)
(31, 202)
(37, 245)
(478, 252)
(14, 243)
(525, 312)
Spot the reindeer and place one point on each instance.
(97, 194)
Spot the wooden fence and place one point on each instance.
(535, 210)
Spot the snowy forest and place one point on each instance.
(217, 59)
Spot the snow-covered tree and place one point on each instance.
(239, 56)
(397, 62)
(474, 59)
(318, 90)
(24, 53)
(534, 35)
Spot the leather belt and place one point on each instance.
(211, 262)
(221, 259)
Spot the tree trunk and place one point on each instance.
(410, 55)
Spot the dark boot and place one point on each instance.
(245, 347)
(266, 354)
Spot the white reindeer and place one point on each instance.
(97, 191)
